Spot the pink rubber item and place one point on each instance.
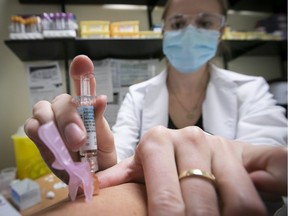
(79, 172)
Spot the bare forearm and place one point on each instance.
(125, 199)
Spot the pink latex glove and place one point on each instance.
(79, 172)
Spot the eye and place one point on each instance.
(206, 23)
(178, 23)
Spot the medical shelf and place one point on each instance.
(233, 49)
(99, 2)
(66, 49)
(60, 49)
(34, 50)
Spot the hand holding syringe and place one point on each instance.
(79, 173)
(63, 112)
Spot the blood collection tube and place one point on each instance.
(86, 111)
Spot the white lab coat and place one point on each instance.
(236, 106)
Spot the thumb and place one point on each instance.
(267, 167)
(123, 172)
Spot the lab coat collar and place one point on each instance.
(155, 110)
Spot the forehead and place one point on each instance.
(193, 7)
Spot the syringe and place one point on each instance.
(86, 111)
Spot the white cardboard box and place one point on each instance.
(25, 193)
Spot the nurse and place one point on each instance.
(236, 110)
(193, 91)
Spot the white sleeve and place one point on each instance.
(261, 121)
(127, 127)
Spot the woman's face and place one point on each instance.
(192, 31)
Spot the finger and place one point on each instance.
(81, 65)
(267, 166)
(235, 187)
(69, 122)
(193, 153)
(31, 129)
(161, 177)
(106, 152)
(42, 112)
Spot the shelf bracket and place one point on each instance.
(63, 6)
(150, 18)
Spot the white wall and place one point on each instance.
(15, 108)
(14, 97)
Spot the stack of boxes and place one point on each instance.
(122, 29)
(64, 25)
(125, 29)
(94, 29)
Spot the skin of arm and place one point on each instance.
(125, 199)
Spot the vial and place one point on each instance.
(85, 109)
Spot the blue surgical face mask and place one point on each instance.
(190, 48)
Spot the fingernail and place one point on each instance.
(74, 135)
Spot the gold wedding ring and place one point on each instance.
(197, 173)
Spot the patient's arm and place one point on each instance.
(125, 199)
